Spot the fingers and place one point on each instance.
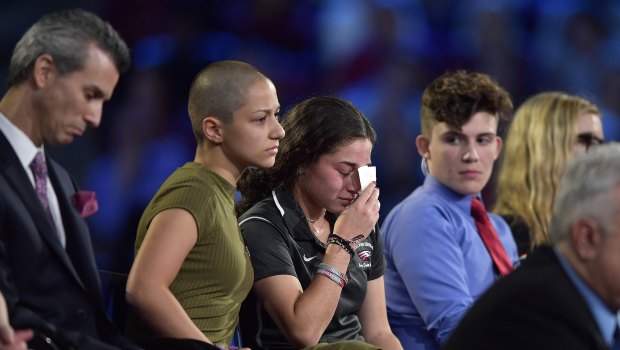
(357, 221)
(373, 201)
(374, 195)
(23, 335)
(14, 339)
(7, 336)
(21, 339)
(371, 207)
(371, 193)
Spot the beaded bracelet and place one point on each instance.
(334, 270)
(332, 276)
(345, 244)
(342, 243)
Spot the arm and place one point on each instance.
(430, 261)
(303, 315)
(373, 317)
(170, 237)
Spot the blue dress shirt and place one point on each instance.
(436, 263)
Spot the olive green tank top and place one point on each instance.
(217, 274)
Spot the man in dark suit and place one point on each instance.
(62, 70)
(565, 296)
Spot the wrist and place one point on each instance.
(333, 274)
(343, 243)
(337, 256)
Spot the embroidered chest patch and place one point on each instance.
(364, 253)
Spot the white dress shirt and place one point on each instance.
(26, 150)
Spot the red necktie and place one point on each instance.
(490, 237)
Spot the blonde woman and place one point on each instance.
(547, 130)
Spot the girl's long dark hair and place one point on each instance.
(314, 127)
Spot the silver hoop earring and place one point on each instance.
(424, 166)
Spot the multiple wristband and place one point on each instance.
(333, 274)
(342, 242)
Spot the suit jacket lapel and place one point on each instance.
(18, 180)
(79, 246)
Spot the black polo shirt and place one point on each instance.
(280, 242)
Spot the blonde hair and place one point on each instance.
(538, 145)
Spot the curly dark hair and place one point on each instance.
(455, 96)
(314, 127)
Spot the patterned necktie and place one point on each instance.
(39, 170)
(490, 238)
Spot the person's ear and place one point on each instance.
(43, 70)
(423, 142)
(212, 129)
(499, 144)
(587, 238)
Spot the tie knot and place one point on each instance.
(38, 166)
(477, 208)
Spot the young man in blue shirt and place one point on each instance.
(437, 262)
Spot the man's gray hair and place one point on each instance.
(66, 36)
(587, 189)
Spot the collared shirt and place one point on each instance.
(605, 319)
(280, 242)
(26, 150)
(436, 263)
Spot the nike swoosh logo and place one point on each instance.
(308, 259)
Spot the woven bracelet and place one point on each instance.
(332, 276)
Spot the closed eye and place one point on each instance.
(93, 93)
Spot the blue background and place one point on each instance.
(379, 54)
